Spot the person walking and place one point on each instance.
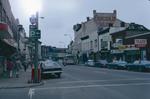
(10, 67)
(16, 68)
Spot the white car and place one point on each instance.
(90, 62)
(49, 67)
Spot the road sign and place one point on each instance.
(38, 34)
(32, 33)
(32, 27)
(35, 34)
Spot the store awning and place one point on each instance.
(6, 49)
(5, 31)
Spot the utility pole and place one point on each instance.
(36, 51)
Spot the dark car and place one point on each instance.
(101, 63)
(140, 66)
(117, 65)
(50, 68)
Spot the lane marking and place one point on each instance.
(92, 86)
(90, 81)
(101, 72)
(31, 92)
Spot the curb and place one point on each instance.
(27, 86)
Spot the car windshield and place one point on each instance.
(75, 49)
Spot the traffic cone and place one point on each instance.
(39, 73)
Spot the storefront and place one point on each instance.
(132, 54)
(117, 54)
(105, 55)
(7, 45)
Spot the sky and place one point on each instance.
(61, 15)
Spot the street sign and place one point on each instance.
(34, 33)
(38, 34)
(32, 27)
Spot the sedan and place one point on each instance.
(101, 63)
(49, 67)
(142, 65)
(117, 65)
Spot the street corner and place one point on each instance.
(27, 85)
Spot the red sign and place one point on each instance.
(140, 42)
(3, 26)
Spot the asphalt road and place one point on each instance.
(81, 82)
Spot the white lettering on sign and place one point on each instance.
(140, 41)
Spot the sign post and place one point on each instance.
(35, 34)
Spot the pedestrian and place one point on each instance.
(16, 68)
(25, 66)
(10, 67)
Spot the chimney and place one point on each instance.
(94, 12)
(115, 11)
(88, 18)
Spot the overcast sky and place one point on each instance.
(61, 15)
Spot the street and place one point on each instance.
(82, 82)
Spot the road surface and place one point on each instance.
(82, 82)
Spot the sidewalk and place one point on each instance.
(21, 82)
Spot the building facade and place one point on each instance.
(93, 35)
(131, 43)
(8, 33)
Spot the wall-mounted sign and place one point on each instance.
(140, 42)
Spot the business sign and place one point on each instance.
(33, 20)
(140, 42)
(116, 51)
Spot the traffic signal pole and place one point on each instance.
(36, 62)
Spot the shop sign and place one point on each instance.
(33, 20)
(117, 51)
(140, 42)
(3, 26)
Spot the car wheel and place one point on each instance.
(58, 75)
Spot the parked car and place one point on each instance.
(90, 63)
(140, 66)
(121, 64)
(49, 67)
(117, 65)
(146, 65)
(101, 63)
